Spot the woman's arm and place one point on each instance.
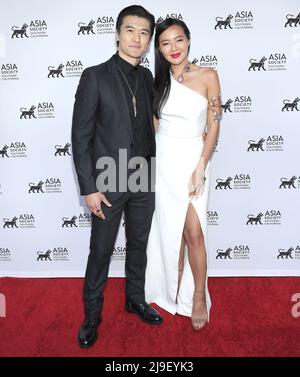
(197, 180)
(213, 115)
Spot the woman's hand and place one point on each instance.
(196, 183)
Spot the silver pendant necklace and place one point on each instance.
(132, 93)
(186, 68)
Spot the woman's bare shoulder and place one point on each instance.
(205, 73)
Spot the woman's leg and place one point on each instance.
(194, 239)
(180, 264)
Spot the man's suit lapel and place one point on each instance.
(148, 102)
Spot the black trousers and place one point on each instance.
(138, 209)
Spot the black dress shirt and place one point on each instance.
(141, 128)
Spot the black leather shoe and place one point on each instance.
(88, 333)
(145, 312)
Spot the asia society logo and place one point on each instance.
(119, 253)
(240, 104)
(9, 71)
(48, 185)
(3, 151)
(145, 62)
(62, 150)
(28, 113)
(274, 62)
(289, 105)
(34, 29)
(239, 182)
(56, 72)
(103, 25)
(289, 183)
(69, 222)
(44, 256)
(209, 60)
(240, 20)
(177, 16)
(292, 20)
(82, 220)
(271, 143)
(40, 111)
(25, 220)
(86, 28)
(212, 218)
(269, 217)
(71, 68)
(57, 254)
(236, 252)
(14, 149)
(289, 253)
(5, 254)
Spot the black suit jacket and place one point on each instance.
(101, 121)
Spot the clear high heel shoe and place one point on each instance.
(199, 321)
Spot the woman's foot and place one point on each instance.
(199, 311)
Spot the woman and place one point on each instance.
(176, 274)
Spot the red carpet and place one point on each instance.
(249, 317)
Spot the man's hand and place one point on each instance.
(94, 201)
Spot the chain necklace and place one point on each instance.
(186, 68)
(132, 93)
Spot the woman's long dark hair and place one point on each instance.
(162, 80)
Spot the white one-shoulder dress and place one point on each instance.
(179, 145)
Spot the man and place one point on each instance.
(113, 111)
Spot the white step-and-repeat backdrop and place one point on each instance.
(253, 211)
